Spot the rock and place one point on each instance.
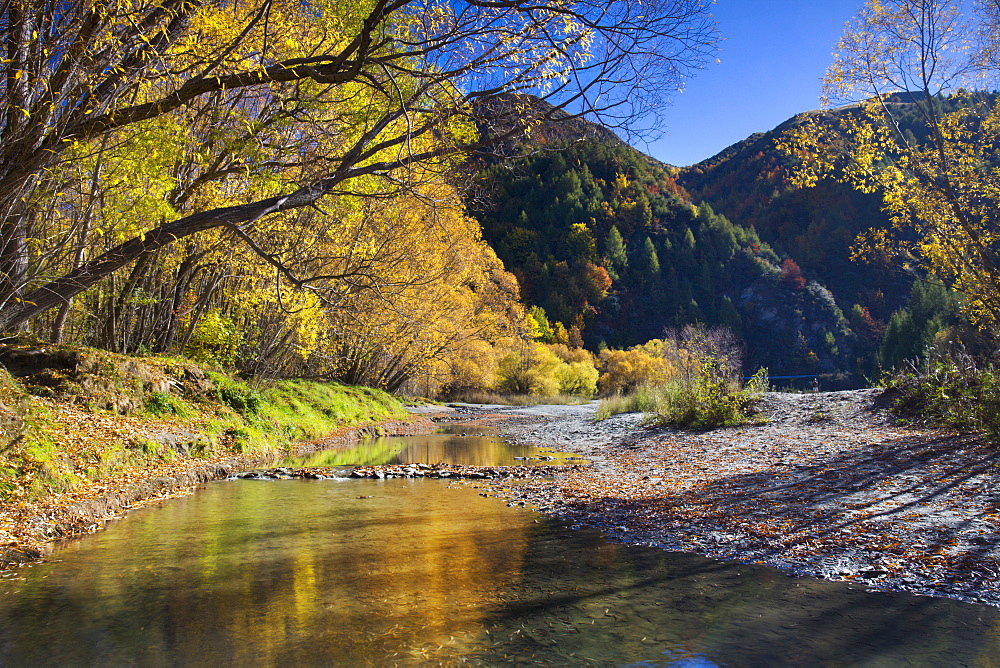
(182, 441)
(9, 555)
(11, 427)
(194, 382)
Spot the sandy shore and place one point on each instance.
(830, 487)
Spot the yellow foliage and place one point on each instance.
(215, 340)
(941, 192)
(547, 370)
(623, 371)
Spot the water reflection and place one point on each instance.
(450, 445)
(270, 573)
(414, 572)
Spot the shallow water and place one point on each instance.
(474, 446)
(367, 572)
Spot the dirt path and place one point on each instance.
(829, 487)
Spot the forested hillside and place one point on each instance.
(751, 183)
(605, 242)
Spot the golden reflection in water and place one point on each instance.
(274, 573)
(414, 572)
(393, 574)
(300, 577)
(472, 450)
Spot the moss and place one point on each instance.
(236, 394)
(40, 451)
(163, 403)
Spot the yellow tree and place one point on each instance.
(424, 291)
(75, 71)
(916, 131)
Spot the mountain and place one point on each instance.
(609, 245)
(749, 183)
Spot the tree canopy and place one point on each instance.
(921, 135)
(238, 111)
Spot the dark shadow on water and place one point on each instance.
(643, 602)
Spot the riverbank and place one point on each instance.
(831, 486)
(85, 435)
(30, 529)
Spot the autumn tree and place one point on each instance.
(326, 95)
(919, 134)
(791, 275)
(624, 371)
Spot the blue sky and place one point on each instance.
(773, 56)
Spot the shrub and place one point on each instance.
(162, 403)
(239, 397)
(215, 340)
(709, 399)
(624, 371)
(950, 390)
(704, 387)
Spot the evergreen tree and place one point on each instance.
(912, 329)
(649, 263)
(614, 249)
(730, 317)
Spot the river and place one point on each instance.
(384, 572)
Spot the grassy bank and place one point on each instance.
(73, 417)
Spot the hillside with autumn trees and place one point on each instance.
(820, 227)
(610, 251)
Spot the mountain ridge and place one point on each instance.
(605, 241)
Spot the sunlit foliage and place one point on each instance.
(144, 123)
(919, 60)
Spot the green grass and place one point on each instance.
(642, 400)
(235, 417)
(274, 414)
